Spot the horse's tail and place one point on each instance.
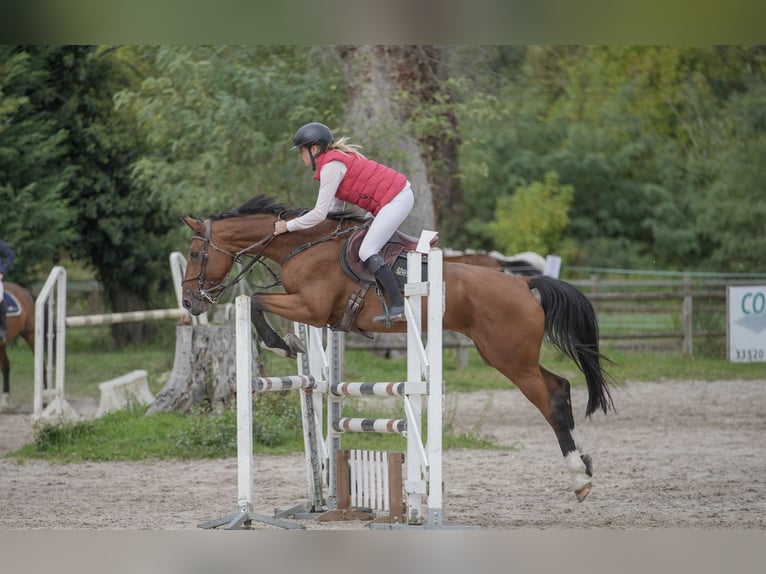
(572, 327)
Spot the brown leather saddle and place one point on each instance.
(394, 253)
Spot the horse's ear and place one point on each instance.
(190, 221)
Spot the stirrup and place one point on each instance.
(391, 316)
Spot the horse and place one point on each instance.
(525, 263)
(20, 320)
(507, 317)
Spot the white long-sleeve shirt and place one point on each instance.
(330, 176)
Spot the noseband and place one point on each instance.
(214, 294)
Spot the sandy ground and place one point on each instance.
(688, 455)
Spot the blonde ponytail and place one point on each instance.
(344, 147)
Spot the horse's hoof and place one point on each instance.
(294, 345)
(288, 347)
(582, 493)
(5, 401)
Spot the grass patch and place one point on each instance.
(129, 434)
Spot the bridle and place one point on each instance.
(214, 294)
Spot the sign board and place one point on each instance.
(746, 327)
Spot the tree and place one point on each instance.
(220, 122)
(637, 131)
(533, 218)
(38, 220)
(120, 226)
(386, 85)
(731, 210)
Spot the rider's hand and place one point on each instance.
(280, 227)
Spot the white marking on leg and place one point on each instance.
(576, 439)
(576, 468)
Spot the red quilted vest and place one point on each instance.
(367, 183)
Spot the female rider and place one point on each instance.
(344, 174)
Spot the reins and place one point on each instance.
(215, 293)
(334, 235)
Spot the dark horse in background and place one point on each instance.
(507, 317)
(527, 263)
(20, 320)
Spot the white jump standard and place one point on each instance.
(319, 376)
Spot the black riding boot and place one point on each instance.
(2, 322)
(385, 277)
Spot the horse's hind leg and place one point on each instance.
(561, 419)
(550, 394)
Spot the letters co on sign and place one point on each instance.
(747, 324)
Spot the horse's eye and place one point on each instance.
(193, 254)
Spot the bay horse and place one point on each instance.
(507, 317)
(19, 321)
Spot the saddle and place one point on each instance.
(12, 306)
(394, 253)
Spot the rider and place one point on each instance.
(6, 260)
(344, 174)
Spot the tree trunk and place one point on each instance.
(388, 88)
(376, 122)
(125, 300)
(204, 370)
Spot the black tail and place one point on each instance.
(572, 327)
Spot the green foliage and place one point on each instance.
(731, 209)
(121, 226)
(125, 434)
(276, 423)
(659, 144)
(128, 434)
(533, 218)
(220, 121)
(101, 148)
(33, 171)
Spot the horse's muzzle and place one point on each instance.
(195, 305)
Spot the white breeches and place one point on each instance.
(386, 222)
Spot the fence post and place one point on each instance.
(687, 324)
(594, 279)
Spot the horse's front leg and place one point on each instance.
(285, 305)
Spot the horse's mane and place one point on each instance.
(269, 205)
(256, 204)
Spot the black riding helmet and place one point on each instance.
(313, 134)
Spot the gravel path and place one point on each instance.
(676, 455)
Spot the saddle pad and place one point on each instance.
(12, 306)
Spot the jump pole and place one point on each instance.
(245, 514)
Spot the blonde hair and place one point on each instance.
(344, 147)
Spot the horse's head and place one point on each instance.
(207, 265)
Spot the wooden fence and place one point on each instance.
(658, 314)
(688, 311)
